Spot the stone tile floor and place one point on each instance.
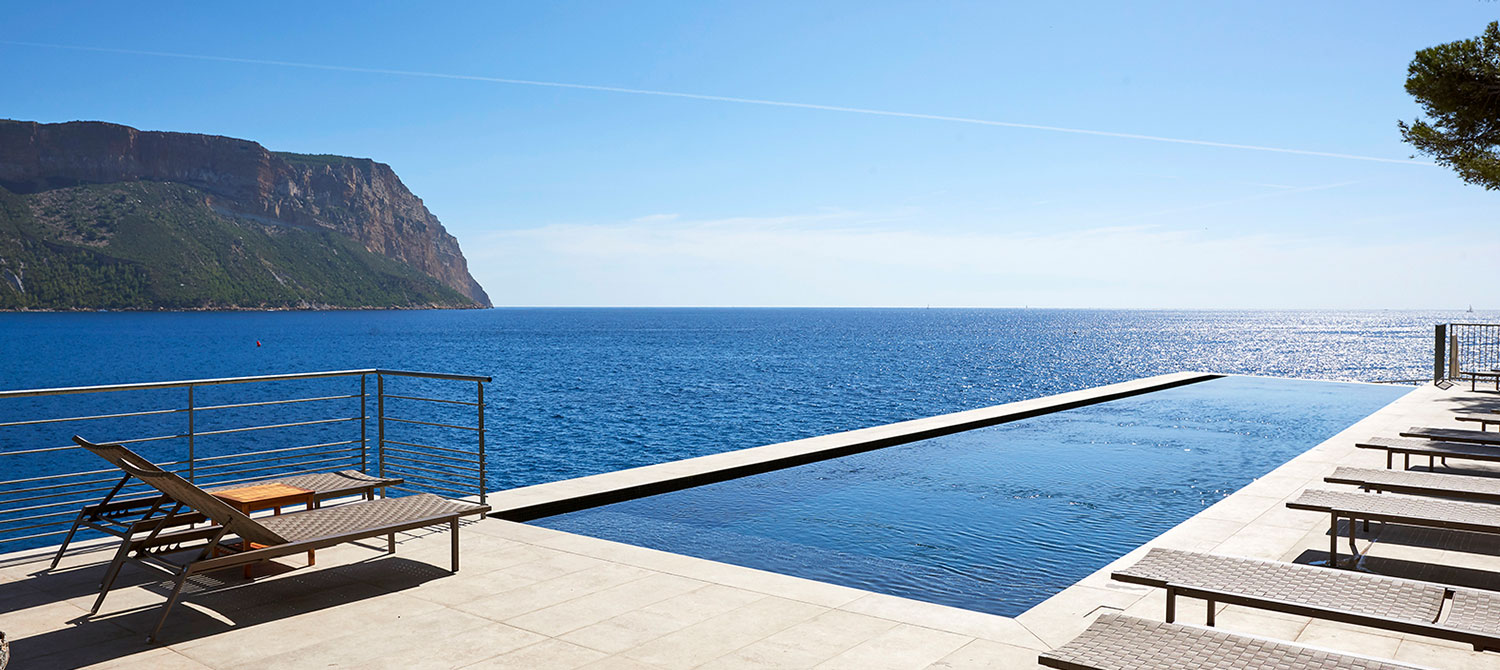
(530, 597)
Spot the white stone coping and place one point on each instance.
(531, 502)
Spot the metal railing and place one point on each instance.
(428, 431)
(1466, 351)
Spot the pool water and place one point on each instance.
(998, 519)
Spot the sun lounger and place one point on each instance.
(1345, 596)
(1484, 420)
(124, 518)
(265, 538)
(1119, 642)
(1452, 435)
(1407, 510)
(1484, 489)
(1433, 450)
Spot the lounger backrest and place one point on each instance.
(183, 491)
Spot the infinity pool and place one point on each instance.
(997, 519)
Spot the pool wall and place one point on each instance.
(541, 500)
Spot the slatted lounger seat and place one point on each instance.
(1119, 642)
(1346, 596)
(124, 518)
(1409, 447)
(1484, 420)
(268, 537)
(1485, 489)
(1408, 510)
(1453, 435)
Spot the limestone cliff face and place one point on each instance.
(356, 197)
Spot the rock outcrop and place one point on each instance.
(355, 197)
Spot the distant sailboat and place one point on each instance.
(1471, 309)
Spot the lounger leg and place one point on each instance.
(171, 600)
(1389, 455)
(58, 557)
(453, 528)
(390, 544)
(114, 571)
(1210, 613)
(1406, 460)
(1333, 540)
(1171, 605)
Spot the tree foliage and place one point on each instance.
(1458, 86)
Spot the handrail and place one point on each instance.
(142, 386)
(231, 452)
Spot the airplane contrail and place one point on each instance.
(720, 98)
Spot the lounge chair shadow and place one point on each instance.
(1419, 570)
(221, 602)
(1486, 544)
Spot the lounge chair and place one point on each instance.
(1119, 642)
(1409, 447)
(127, 517)
(1345, 596)
(1453, 435)
(1484, 489)
(1484, 420)
(265, 538)
(1407, 510)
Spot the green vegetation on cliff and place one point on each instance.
(154, 245)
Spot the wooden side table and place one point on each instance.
(267, 496)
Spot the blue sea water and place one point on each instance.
(997, 519)
(582, 391)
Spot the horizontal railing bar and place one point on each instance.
(36, 422)
(34, 516)
(428, 446)
(433, 486)
(461, 469)
(144, 386)
(276, 402)
(433, 375)
(76, 503)
(43, 450)
(430, 478)
(52, 486)
(282, 458)
(273, 467)
(226, 431)
(77, 474)
(451, 402)
(273, 451)
(3, 540)
(404, 462)
(423, 453)
(427, 423)
(54, 495)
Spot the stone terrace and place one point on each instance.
(529, 597)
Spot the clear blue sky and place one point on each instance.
(565, 196)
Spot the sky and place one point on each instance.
(987, 154)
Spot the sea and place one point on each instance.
(578, 391)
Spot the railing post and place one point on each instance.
(1439, 338)
(1453, 356)
(482, 485)
(364, 465)
(380, 424)
(192, 453)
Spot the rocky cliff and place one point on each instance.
(354, 197)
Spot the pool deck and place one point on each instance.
(530, 597)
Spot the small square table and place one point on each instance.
(267, 496)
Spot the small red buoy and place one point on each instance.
(257, 343)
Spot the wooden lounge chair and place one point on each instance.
(1359, 598)
(1119, 642)
(1407, 510)
(127, 517)
(1453, 435)
(1433, 450)
(264, 538)
(1483, 489)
